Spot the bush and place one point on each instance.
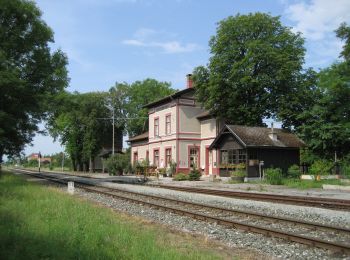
(321, 167)
(274, 176)
(118, 164)
(181, 177)
(194, 175)
(172, 168)
(238, 173)
(294, 171)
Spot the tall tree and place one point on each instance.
(254, 72)
(77, 123)
(326, 127)
(130, 99)
(30, 75)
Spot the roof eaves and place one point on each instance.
(167, 98)
(238, 138)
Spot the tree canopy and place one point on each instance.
(134, 96)
(255, 71)
(326, 126)
(30, 74)
(79, 123)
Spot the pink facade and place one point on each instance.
(180, 131)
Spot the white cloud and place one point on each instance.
(319, 17)
(150, 38)
(317, 20)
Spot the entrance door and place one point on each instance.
(206, 160)
(194, 158)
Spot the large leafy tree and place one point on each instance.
(255, 72)
(30, 74)
(326, 127)
(79, 124)
(130, 99)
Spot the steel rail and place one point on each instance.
(328, 203)
(338, 247)
(285, 199)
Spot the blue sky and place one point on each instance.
(110, 41)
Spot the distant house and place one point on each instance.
(180, 130)
(35, 156)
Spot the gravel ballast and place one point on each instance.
(276, 248)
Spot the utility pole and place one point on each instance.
(62, 161)
(113, 118)
(39, 159)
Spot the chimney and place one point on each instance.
(189, 81)
(272, 134)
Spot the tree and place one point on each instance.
(30, 75)
(77, 124)
(326, 127)
(255, 71)
(130, 99)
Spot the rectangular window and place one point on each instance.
(242, 156)
(135, 157)
(194, 160)
(156, 158)
(224, 157)
(233, 156)
(167, 157)
(168, 124)
(147, 155)
(156, 127)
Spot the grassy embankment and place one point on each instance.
(301, 184)
(38, 222)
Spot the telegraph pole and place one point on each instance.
(113, 119)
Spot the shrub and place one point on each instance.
(274, 176)
(172, 168)
(118, 164)
(181, 177)
(321, 167)
(238, 173)
(194, 175)
(294, 171)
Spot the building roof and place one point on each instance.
(169, 98)
(250, 136)
(140, 137)
(204, 115)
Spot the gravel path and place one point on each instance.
(275, 248)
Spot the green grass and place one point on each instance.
(37, 222)
(309, 184)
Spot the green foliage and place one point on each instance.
(309, 184)
(238, 173)
(172, 168)
(77, 124)
(194, 175)
(321, 167)
(181, 177)
(343, 32)
(326, 127)
(30, 74)
(131, 99)
(274, 176)
(118, 164)
(255, 72)
(294, 172)
(32, 163)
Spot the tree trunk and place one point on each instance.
(90, 165)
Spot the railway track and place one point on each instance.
(308, 201)
(333, 237)
(285, 199)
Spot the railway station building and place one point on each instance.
(180, 130)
